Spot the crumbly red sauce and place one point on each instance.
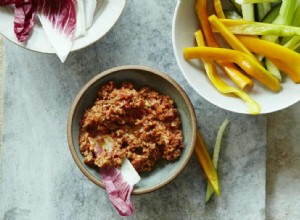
(144, 125)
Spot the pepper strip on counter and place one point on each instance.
(206, 163)
(281, 56)
(209, 190)
(220, 85)
(230, 69)
(246, 62)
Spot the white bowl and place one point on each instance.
(185, 23)
(105, 17)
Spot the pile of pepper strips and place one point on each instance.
(242, 55)
(240, 59)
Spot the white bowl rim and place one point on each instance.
(113, 11)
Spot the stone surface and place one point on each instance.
(283, 162)
(1, 97)
(40, 179)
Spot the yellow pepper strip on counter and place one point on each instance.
(281, 56)
(221, 86)
(233, 41)
(247, 63)
(206, 163)
(219, 9)
(230, 69)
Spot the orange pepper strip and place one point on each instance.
(220, 85)
(282, 57)
(289, 70)
(229, 37)
(201, 11)
(247, 63)
(206, 163)
(219, 9)
(232, 71)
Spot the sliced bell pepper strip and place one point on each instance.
(283, 56)
(259, 28)
(289, 70)
(247, 63)
(206, 163)
(230, 69)
(201, 10)
(220, 85)
(228, 36)
(209, 190)
(219, 9)
(234, 73)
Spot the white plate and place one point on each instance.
(106, 15)
(185, 23)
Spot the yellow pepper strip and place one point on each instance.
(235, 75)
(283, 57)
(229, 37)
(206, 163)
(219, 9)
(231, 70)
(221, 86)
(247, 63)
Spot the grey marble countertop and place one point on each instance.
(39, 180)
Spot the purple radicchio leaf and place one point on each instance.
(24, 20)
(62, 14)
(118, 182)
(58, 19)
(10, 2)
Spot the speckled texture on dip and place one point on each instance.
(143, 126)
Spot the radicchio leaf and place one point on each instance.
(118, 182)
(58, 19)
(11, 2)
(24, 20)
(61, 13)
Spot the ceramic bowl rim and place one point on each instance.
(75, 49)
(103, 74)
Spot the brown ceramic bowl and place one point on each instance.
(140, 76)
